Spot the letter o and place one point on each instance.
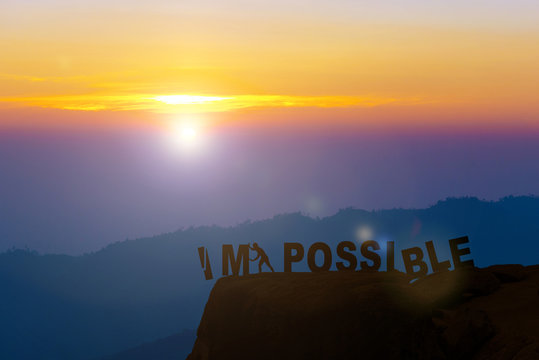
(312, 253)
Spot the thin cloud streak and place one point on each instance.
(184, 103)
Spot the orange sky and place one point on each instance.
(210, 59)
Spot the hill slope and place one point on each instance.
(471, 313)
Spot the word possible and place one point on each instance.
(413, 258)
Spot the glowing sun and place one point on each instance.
(188, 134)
(187, 137)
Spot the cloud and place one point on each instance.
(194, 103)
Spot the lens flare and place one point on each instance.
(364, 233)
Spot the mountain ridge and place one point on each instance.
(136, 291)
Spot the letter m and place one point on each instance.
(235, 262)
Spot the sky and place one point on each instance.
(125, 119)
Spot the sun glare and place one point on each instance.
(188, 134)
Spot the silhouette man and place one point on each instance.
(263, 257)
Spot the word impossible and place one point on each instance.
(413, 258)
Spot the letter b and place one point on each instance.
(410, 263)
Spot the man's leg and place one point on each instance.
(266, 261)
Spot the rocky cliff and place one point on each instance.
(490, 313)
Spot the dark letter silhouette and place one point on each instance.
(371, 255)
(418, 261)
(457, 253)
(205, 262)
(436, 266)
(390, 256)
(345, 255)
(243, 256)
(311, 257)
(289, 258)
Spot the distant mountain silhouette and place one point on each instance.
(132, 292)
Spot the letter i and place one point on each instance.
(205, 262)
(390, 258)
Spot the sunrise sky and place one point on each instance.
(164, 113)
(472, 57)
